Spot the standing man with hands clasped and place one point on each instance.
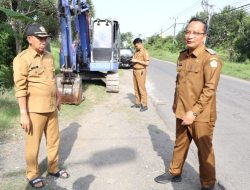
(140, 63)
(198, 73)
(36, 92)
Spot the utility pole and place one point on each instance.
(209, 10)
(174, 25)
(161, 35)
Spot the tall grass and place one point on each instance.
(55, 51)
(8, 110)
(6, 78)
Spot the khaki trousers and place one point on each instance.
(202, 134)
(139, 78)
(46, 123)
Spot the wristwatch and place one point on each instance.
(195, 114)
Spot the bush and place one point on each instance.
(6, 78)
(7, 48)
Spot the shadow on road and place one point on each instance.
(163, 145)
(68, 137)
(111, 157)
(131, 97)
(83, 183)
(98, 159)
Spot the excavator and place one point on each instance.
(90, 50)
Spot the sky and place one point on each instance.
(145, 18)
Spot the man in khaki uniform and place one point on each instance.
(198, 73)
(34, 76)
(140, 62)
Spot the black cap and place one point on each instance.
(36, 30)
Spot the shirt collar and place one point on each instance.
(198, 50)
(141, 50)
(34, 53)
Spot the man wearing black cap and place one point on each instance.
(36, 92)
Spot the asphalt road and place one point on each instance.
(231, 135)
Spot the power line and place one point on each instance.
(246, 5)
(207, 8)
(191, 7)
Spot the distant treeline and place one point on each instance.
(229, 33)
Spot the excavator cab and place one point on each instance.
(105, 51)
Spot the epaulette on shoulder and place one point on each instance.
(212, 52)
(22, 53)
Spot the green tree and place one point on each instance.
(126, 40)
(226, 28)
(242, 44)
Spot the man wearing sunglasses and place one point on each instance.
(36, 92)
(198, 73)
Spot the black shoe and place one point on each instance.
(207, 188)
(143, 108)
(167, 178)
(136, 106)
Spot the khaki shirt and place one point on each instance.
(34, 77)
(141, 55)
(198, 75)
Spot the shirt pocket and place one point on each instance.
(36, 72)
(193, 69)
(193, 74)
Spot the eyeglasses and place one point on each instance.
(187, 33)
(41, 38)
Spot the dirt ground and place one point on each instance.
(112, 146)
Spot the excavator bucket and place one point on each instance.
(70, 90)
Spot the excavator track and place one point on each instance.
(112, 82)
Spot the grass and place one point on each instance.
(239, 70)
(55, 51)
(164, 55)
(8, 111)
(94, 93)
